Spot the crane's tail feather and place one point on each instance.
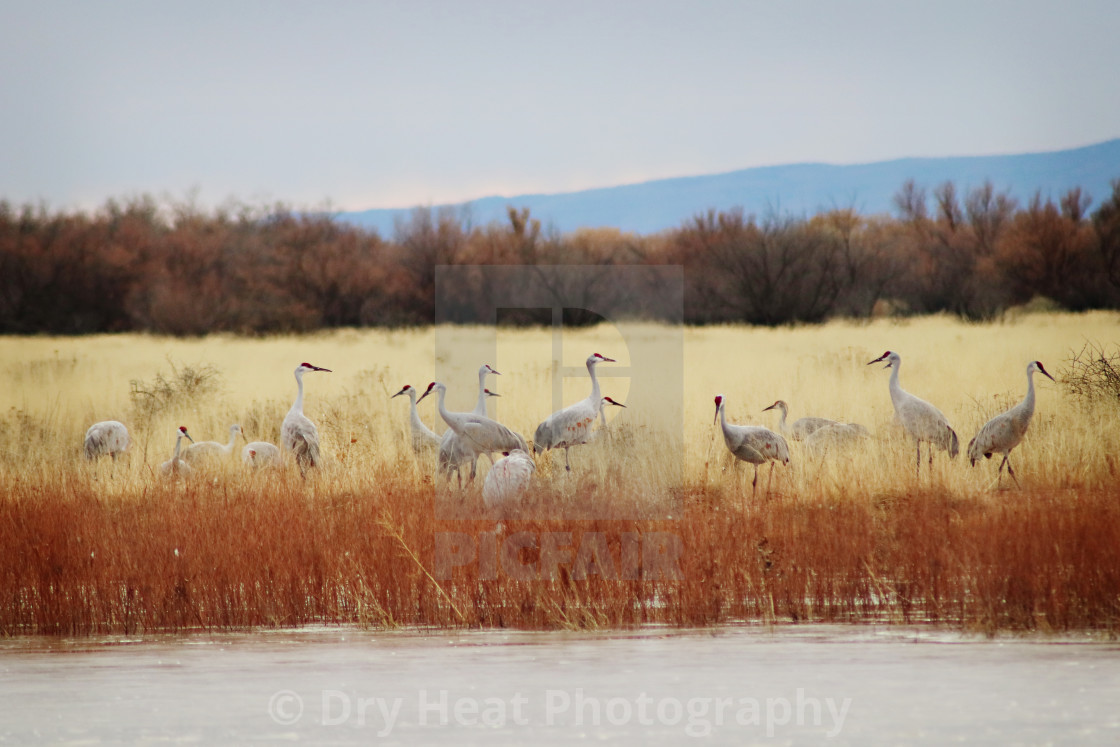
(954, 443)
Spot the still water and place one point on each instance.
(785, 685)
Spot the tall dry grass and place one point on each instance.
(650, 527)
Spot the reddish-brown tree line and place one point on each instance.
(176, 269)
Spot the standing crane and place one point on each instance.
(175, 465)
(802, 427)
(257, 454)
(922, 421)
(423, 437)
(752, 444)
(107, 437)
(201, 451)
(478, 432)
(453, 451)
(297, 432)
(1003, 433)
(508, 479)
(572, 425)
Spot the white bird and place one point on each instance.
(204, 450)
(175, 465)
(107, 437)
(508, 479)
(1003, 433)
(753, 444)
(602, 432)
(922, 421)
(259, 454)
(572, 425)
(453, 451)
(423, 437)
(835, 436)
(478, 432)
(800, 428)
(297, 432)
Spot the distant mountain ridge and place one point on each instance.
(800, 190)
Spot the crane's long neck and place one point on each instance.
(447, 418)
(414, 414)
(232, 439)
(298, 405)
(480, 405)
(723, 420)
(895, 387)
(1027, 405)
(178, 446)
(595, 397)
(785, 412)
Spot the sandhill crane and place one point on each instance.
(205, 450)
(572, 425)
(752, 443)
(107, 437)
(508, 479)
(423, 437)
(800, 428)
(453, 451)
(1003, 433)
(297, 432)
(922, 421)
(259, 454)
(835, 436)
(175, 465)
(602, 432)
(478, 432)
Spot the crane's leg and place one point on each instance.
(918, 464)
(1007, 458)
(770, 479)
(567, 463)
(754, 482)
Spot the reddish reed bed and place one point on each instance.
(285, 552)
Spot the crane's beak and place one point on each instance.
(324, 370)
(771, 407)
(881, 358)
(717, 413)
(403, 391)
(426, 393)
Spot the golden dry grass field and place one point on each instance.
(851, 535)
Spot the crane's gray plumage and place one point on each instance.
(508, 479)
(107, 437)
(175, 465)
(1005, 431)
(257, 454)
(478, 432)
(801, 428)
(453, 451)
(200, 451)
(751, 443)
(423, 438)
(835, 436)
(922, 421)
(572, 425)
(297, 433)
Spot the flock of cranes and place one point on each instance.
(471, 435)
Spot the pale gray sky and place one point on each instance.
(392, 104)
